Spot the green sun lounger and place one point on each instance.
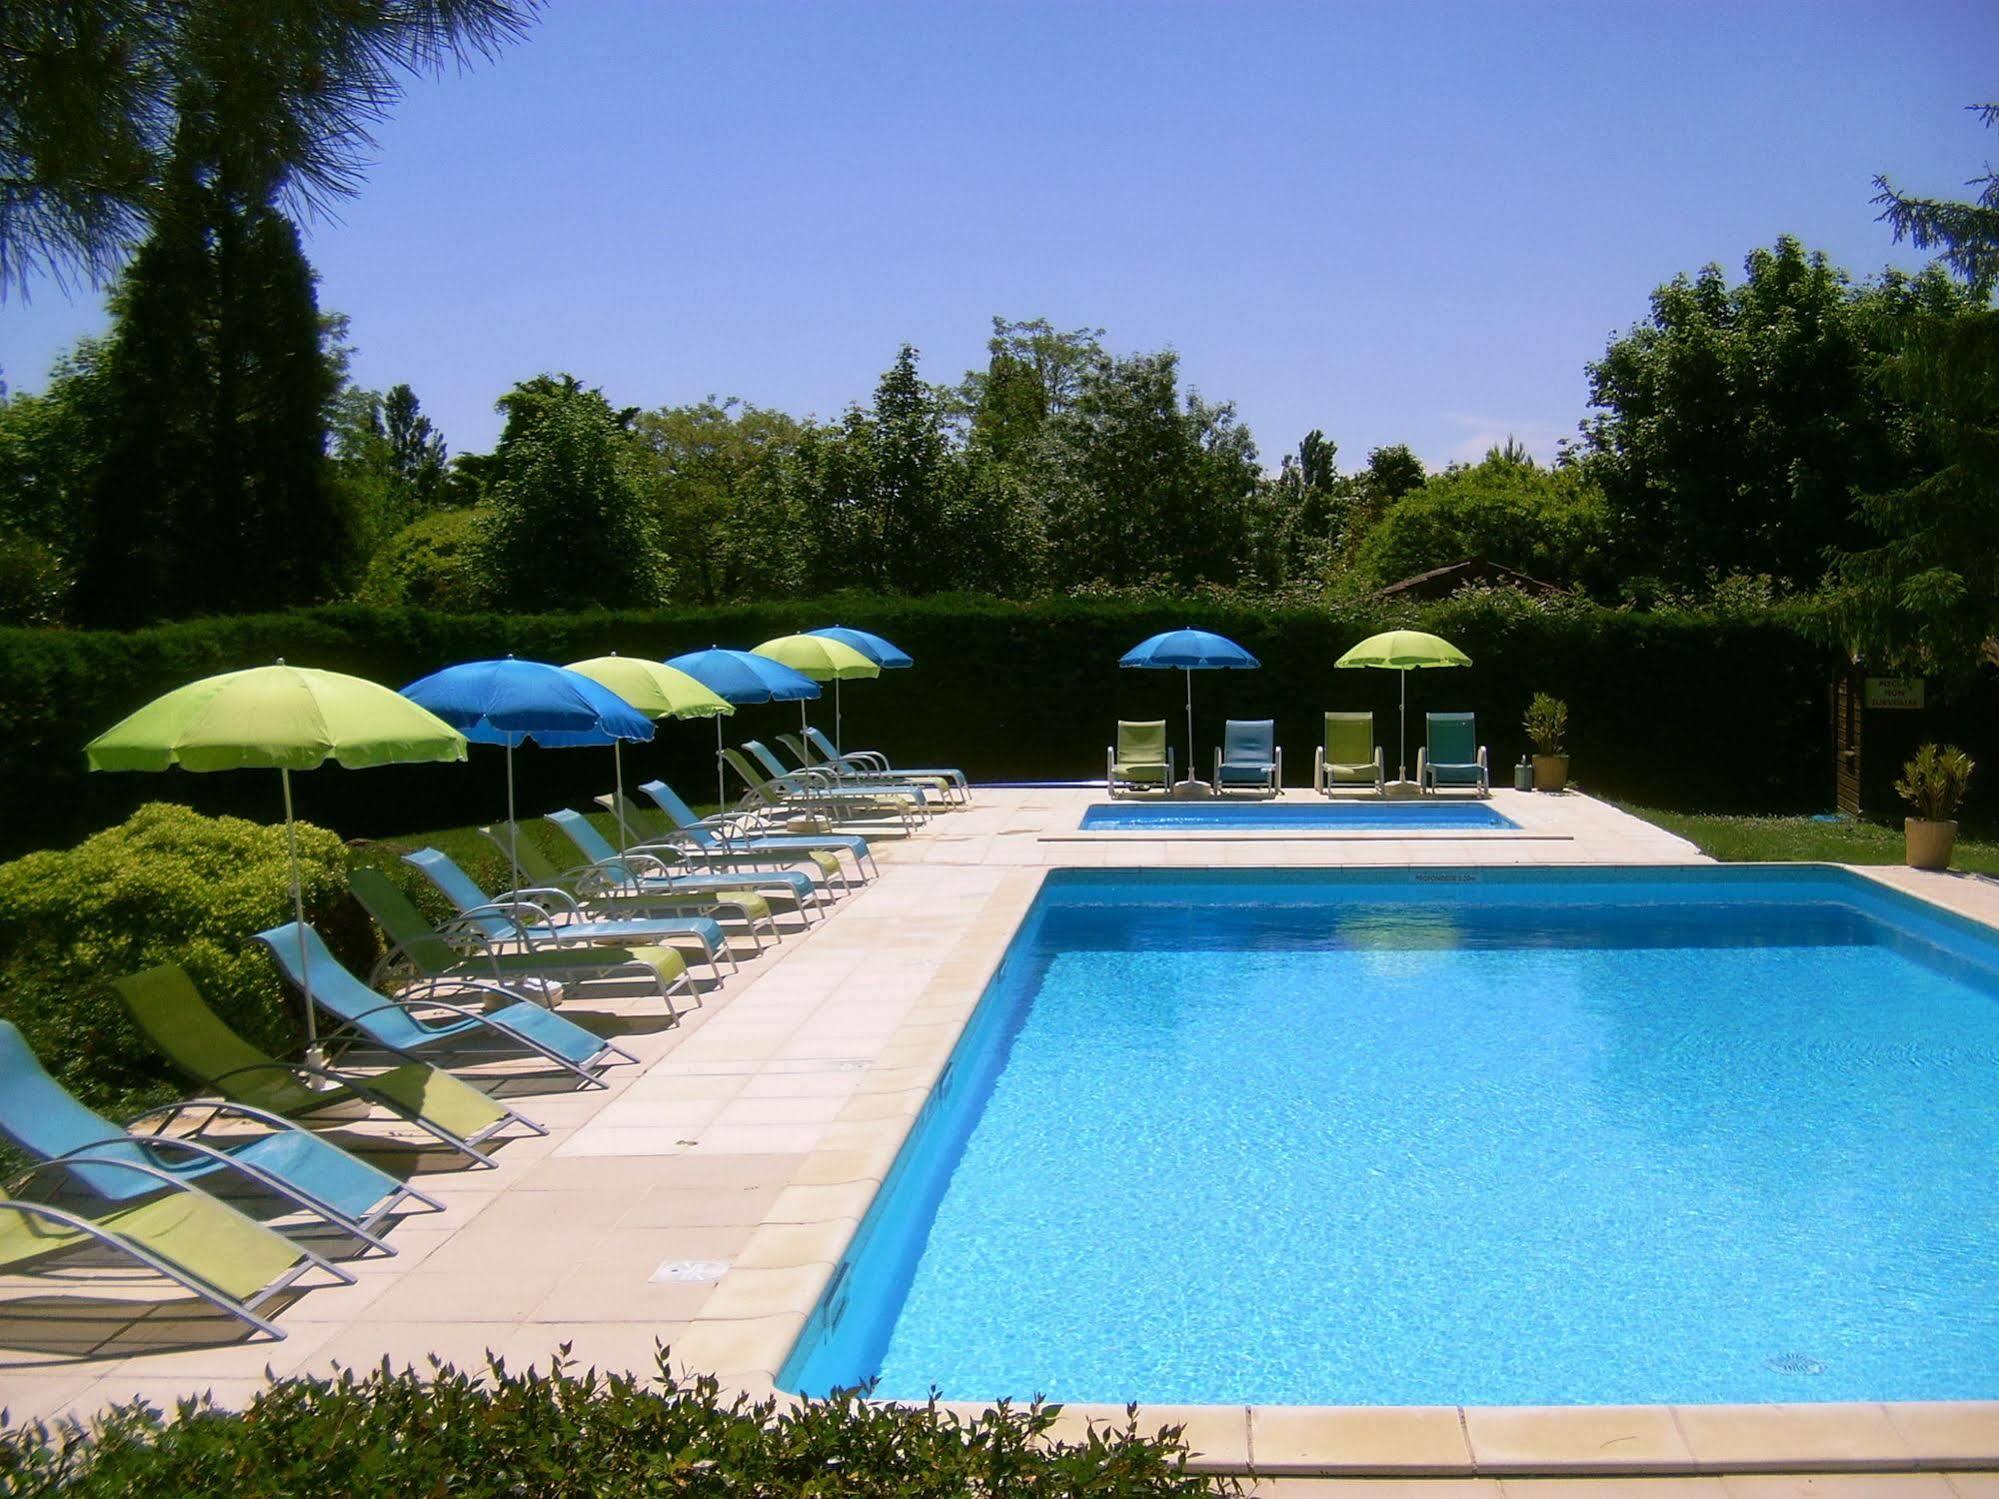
(814, 751)
(516, 1026)
(1452, 755)
(918, 797)
(309, 1174)
(814, 797)
(601, 895)
(1248, 758)
(420, 953)
(1141, 759)
(230, 1261)
(548, 918)
(739, 831)
(654, 874)
(1349, 757)
(648, 831)
(195, 1039)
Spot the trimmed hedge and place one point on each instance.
(165, 886)
(1669, 709)
(501, 1433)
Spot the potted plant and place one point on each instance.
(1546, 722)
(1933, 783)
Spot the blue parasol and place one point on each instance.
(1189, 651)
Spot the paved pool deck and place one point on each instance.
(704, 1198)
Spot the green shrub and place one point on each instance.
(166, 886)
(1934, 781)
(501, 1433)
(432, 563)
(1546, 723)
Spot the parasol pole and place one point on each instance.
(298, 909)
(618, 792)
(837, 748)
(1402, 736)
(721, 771)
(514, 827)
(1188, 672)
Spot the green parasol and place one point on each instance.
(1404, 651)
(821, 658)
(656, 690)
(281, 718)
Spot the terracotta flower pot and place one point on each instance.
(1551, 772)
(1929, 843)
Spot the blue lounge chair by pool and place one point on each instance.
(171, 1011)
(1452, 755)
(1141, 760)
(816, 799)
(419, 953)
(812, 747)
(518, 1026)
(168, 1226)
(651, 874)
(1349, 756)
(1249, 759)
(743, 831)
(918, 797)
(311, 1174)
(647, 831)
(601, 895)
(549, 917)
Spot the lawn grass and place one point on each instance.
(1849, 840)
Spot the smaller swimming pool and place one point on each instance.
(1293, 817)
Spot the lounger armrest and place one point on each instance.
(459, 930)
(220, 1106)
(1319, 768)
(509, 910)
(547, 899)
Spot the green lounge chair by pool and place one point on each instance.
(1452, 755)
(918, 797)
(594, 894)
(310, 1174)
(516, 1026)
(547, 917)
(792, 799)
(230, 1261)
(812, 749)
(1141, 760)
(727, 832)
(648, 831)
(655, 874)
(420, 954)
(1249, 759)
(1349, 757)
(195, 1039)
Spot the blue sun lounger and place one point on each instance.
(551, 917)
(741, 832)
(649, 874)
(519, 1026)
(311, 1174)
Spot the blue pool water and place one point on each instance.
(1433, 1137)
(1352, 817)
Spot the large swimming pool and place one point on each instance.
(1449, 1137)
(1293, 817)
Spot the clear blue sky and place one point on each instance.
(1408, 222)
